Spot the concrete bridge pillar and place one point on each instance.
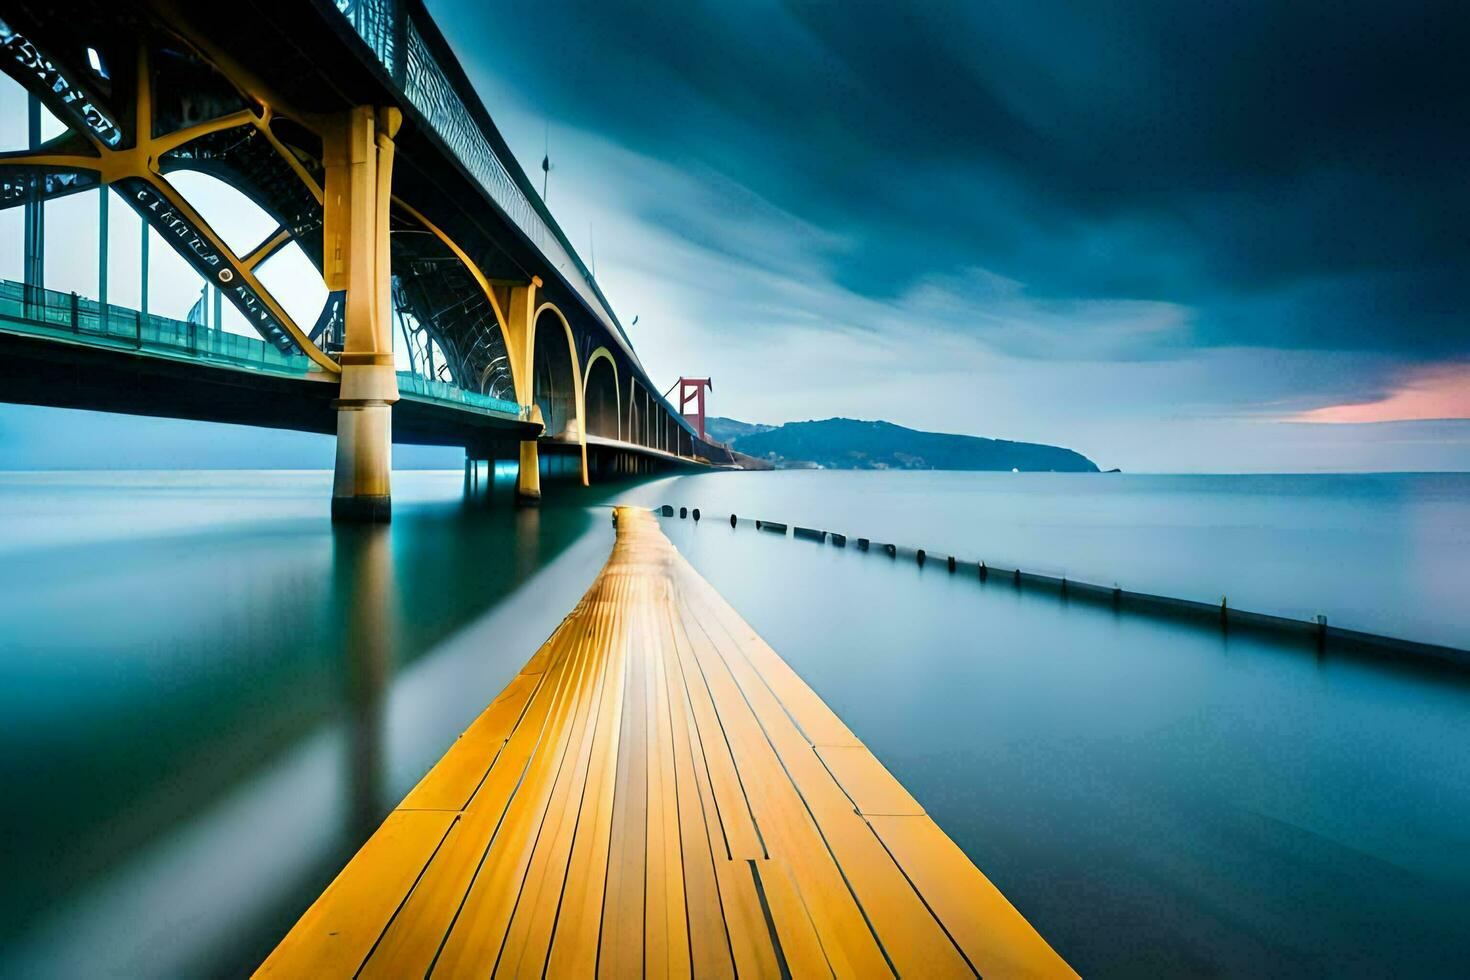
(528, 481)
(358, 155)
(520, 343)
(528, 476)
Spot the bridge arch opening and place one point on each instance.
(295, 282)
(285, 270)
(601, 399)
(415, 350)
(633, 423)
(15, 117)
(555, 376)
(239, 222)
(201, 176)
(449, 325)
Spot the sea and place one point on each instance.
(210, 696)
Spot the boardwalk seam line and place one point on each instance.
(940, 922)
(760, 893)
(565, 656)
(406, 895)
(585, 652)
(821, 831)
(740, 780)
(697, 759)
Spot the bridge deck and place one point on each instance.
(657, 792)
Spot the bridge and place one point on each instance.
(301, 216)
(257, 147)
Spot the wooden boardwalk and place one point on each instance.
(658, 793)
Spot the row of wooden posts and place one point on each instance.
(1223, 615)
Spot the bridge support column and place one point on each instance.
(528, 481)
(361, 487)
(520, 343)
(358, 153)
(34, 271)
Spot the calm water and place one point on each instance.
(208, 697)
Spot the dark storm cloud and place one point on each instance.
(1297, 174)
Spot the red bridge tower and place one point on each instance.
(692, 390)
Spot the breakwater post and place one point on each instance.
(1222, 615)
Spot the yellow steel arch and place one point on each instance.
(603, 354)
(140, 162)
(576, 372)
(484, 283)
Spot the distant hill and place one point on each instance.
(728, 430)
(851, 444)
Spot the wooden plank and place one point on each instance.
(870, 786)
(456, 776)
(996, 938)
(621, 950)
(800, 946)
(336, 933)
(658, 793)
(818, 723)
(414, 938)
(786, 823)
(911, 940)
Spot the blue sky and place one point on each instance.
(1218, 237)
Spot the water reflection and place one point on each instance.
(1385, 552)
(203, 719)
(208, 698)
(363, 592)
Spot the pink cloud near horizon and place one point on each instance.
(1440, 392)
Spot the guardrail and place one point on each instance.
(46, 312)
(416, 384)
(404, 47)
(68, 316)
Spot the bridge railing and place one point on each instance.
(417, 384)
(48, 313)
(57, 314)
(403, 38)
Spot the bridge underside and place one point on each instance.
(42, 372)
(45, 372)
